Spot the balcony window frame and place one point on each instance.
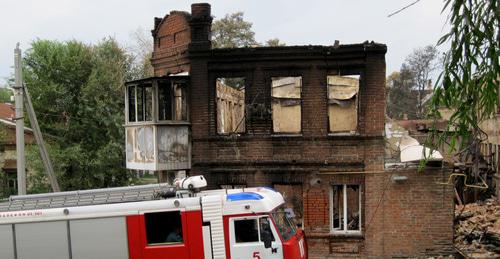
(155, 116)
(143, 101)
(171, 82)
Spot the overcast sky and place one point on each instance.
(294, 22)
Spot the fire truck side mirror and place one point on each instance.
(299, 225)
(267, 238)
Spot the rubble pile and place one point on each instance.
(477, 229)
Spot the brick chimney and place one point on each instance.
(201, 24)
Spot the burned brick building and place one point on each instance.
(305, 120)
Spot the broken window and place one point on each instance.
(140, 103)
(230, 105)
(343, 103)
(172, 101)
(286, 108)
(346, 208)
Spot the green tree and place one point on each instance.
(469, 84)
(422, 62)
(400, 99)
(408, 88)
(275, 43)
(5, 95)
(232, 31)
(141, 51)
(77, 94)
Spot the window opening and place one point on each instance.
(286, 104)
(343, 103)
(346, 208)
(172, 101)
(180, 101)
(164, 105)
(163, 228)
(230, 99)
(141, 102)
(131, 103)
(148, 103)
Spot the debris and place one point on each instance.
(477, 229)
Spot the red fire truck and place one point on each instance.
(148, 222)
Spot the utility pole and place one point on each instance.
(41, 144)
(18, 98)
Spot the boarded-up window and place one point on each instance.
(343, 103)
(285, 92)
(230, 105)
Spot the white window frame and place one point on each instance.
(344, 203)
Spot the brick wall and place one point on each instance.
(314, 148)
(177, 32)
(400, 220)
(414, 218)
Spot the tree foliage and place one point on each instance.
(469, 84)
(401, 101)
(5, 95)
(275, 43)
(141, 52)
(408, 89)
(232, 32)
(422, 62)
(77, 94)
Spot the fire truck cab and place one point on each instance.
(235, 224)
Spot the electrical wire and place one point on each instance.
(400, 10)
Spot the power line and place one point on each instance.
(400, 10)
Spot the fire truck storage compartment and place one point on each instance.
(75, 239)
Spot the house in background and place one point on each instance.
(490, 148)
(8, 161)
(308, 121)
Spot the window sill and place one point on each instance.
(343, 134)
(340, 235)
(160, 123)
(232, 134)
(286, 135)
(353, 234)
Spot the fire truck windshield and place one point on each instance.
(285, 226)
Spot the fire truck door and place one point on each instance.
(254, 237)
